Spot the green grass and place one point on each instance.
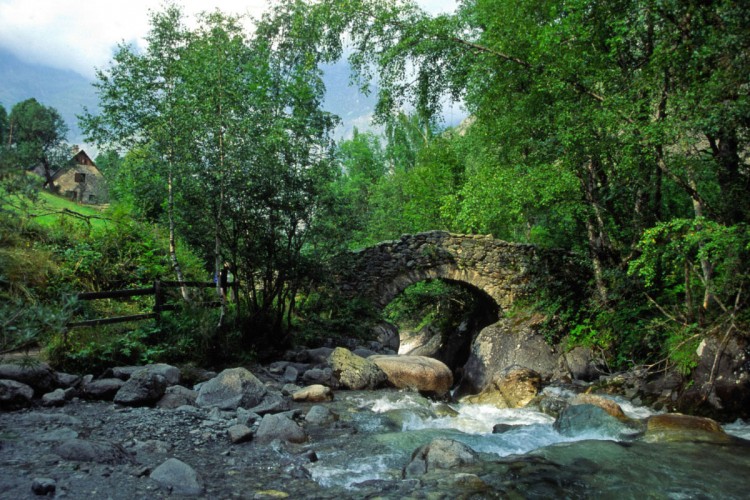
(48, 210)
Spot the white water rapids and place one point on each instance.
(392, 425)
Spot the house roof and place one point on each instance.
(80, 158)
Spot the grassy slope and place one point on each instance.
(49, 209)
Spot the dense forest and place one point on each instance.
(615, 130)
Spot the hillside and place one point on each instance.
(70, 93)
(66, 91)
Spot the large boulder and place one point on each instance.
(322, 376)
(14, 395)
(176, 396)
(177, 477)
(320, 415)
(38, 376)
(588, 419)
(279, 426)
(441, 453)
(81, 450)
(514, 387)
(580, 363)
(104, 389)
(416, 372)
(354, 372)
(677, 427)
(232, 388)
(387, 335)
(510, 341)
(721, 380)
(147, 385)
(606, 404)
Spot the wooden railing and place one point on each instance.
(157, 290)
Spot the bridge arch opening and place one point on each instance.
(440, 318)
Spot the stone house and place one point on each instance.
(80, 180)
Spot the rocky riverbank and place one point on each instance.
(158, 431)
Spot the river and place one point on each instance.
(529, 459)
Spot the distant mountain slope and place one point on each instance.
(66, 91)
(345, 101)
(69, 93)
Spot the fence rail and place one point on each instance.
(157, 290)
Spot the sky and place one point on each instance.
(80, 35)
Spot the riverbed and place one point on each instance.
(363, 454)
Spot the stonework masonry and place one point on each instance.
(504, 271)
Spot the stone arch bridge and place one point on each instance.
(504, 271)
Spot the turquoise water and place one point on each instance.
(390, 426)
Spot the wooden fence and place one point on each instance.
(158, 290)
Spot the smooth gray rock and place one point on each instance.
(177, 477)
(176, 396)
(80, 450)
(441, 453)
(321, 376)
(104, 389)
(246, 417)
(169, 372)
(580, 419)
(145, 387)
(387, 335)
(291, 374)
(580, 363)
(289, 389)
(54, 398)
(239, 433)
(232, 388)
(122, 372)
(273, 402)
(320, 415)
(66, 380)
(43, 485)
(38, 376)
(14, 395)
(281, 427)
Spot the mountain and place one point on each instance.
(66, 91)
(69, 92)
(344, 100)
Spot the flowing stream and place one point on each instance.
(389, 426)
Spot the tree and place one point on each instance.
(592, 123)
(139, 96)
(235, 124)
(4, 136)
(36, 133)
(363, 166)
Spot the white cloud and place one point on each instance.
(81, 34)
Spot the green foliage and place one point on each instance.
(324, 316)
(91, 351)
(440, 304)
(36, 135)
(229, 129)
(26, 323)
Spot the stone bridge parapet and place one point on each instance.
(504, 271)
